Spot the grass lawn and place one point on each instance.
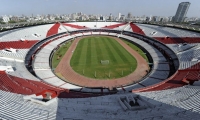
(58, 55)
(86, 59)
(136, 48)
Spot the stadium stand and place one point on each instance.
(169, 91)
(75, 26)
(108, 107)
(27, 33)
(114, 26)
(166, 31)
(18, 44)
(136, 29)
(53, 30)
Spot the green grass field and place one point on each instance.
(58, 55)
(91, 50)
(136, 48)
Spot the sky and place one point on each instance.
(104, 7)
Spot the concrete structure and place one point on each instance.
(181, 11)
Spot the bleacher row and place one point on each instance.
(163, 32)
(19, 55)
(28, 33)
(187, 64)
(22, 86)
(13, 107)
(174, 103)
(177, 40)
(166, 104)
(180, 78)
(189, 55)
(189, 58)
(184, 97)
(19, 69)
(177, 48)
(17, 44)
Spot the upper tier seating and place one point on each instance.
(28, 33)
(166, 31)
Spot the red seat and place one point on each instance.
(23, 86)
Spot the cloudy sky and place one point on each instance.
(105, 7)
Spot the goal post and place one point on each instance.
(105, 62)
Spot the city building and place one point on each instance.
(122, 17)
(129, 15)
(102, 18)
(119, 15)
(181, 12)
(110, 17)
(6, 19)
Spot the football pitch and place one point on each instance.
(102, 57)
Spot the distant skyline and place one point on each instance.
(105, 7)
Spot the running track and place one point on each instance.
(72, 77)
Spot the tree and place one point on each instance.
(12, 21)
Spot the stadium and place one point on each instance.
(157, 77)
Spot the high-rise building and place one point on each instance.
(181, 12)
(122, 17)
(110, 17)
(101, 18)
(119, 15)
(129, 15)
